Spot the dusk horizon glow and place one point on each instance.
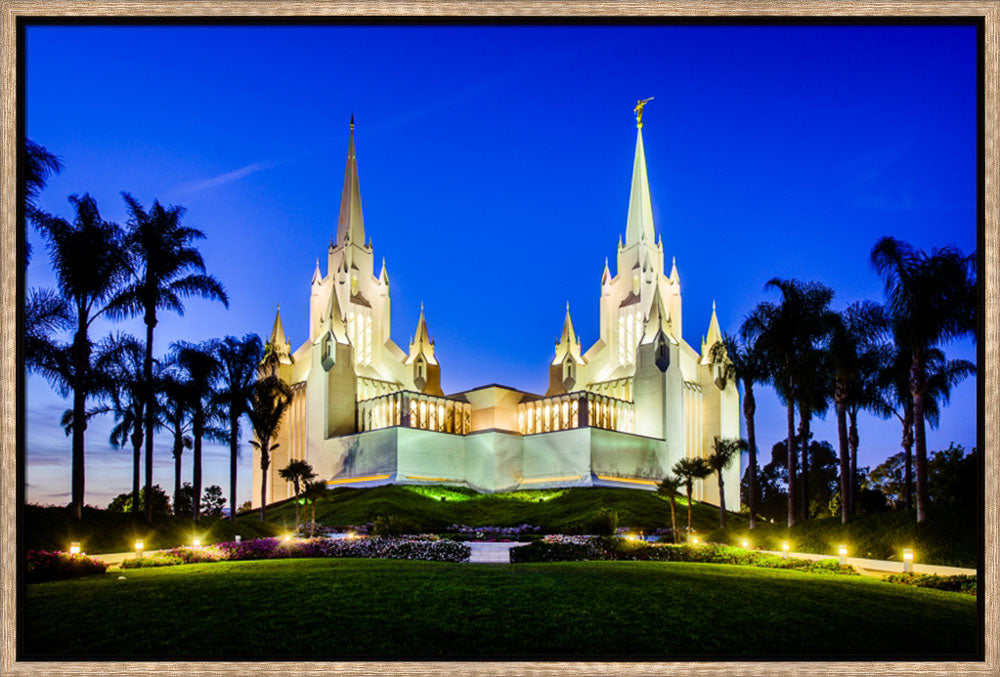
(494, 165)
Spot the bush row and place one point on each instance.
(273, 548)
(44, 565)
(963, 584)
(578, 548)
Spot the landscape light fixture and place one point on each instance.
(908, 561)
(138, 548)
(74, 548)
(237, 538)
(287, 538)
(745, 543)
(842, 551)
(196, 542)
(785, 547)
(694, 540)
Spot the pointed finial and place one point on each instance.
(619, 240)
(713, 305)
(352, 122)
(567, 306)
(279, 306)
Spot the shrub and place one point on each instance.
(392, 526)
(157, 560)
(963, 584)
(604, 523)
(53, 566)
(189, 555)
(575, 548)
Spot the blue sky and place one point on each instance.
(495, 164)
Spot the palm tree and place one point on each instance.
(45, 313)
(119, 359)
(743, 361)
(270, 399)
(724, 451)
(39, 164)
(240, 360)
(166, 268)
(668, 487)
(313, 493)
(785, 332)
(897, 400)
(854, 332)
(199, 371)
(689, 470)
(89, 262)
(297, 472)
(176, 416)
(931, 300)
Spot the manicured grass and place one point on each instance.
(341, 608)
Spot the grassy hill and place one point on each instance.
(944, 538)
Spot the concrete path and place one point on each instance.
(881, 567)
(491, 553)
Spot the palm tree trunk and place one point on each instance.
(265, 461)
(722, 502)
(842, 443)
(312, 525)
(749, 409)
(689, 486)
(908, 458)
(147, 388)
(917, 386)
(852, 441)
(81, 377)
(197, 430)
(805, 417)
(136, 458)
(673, 519)
(790, 446)
(178, 451)
(234, 431)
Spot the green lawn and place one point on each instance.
(342, 608)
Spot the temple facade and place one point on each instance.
(365, 411)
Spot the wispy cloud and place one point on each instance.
(222, 179)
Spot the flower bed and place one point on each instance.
(489, 533)
(963, 584)
(577, 548)
(44, 565)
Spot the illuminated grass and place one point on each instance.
(370, 609)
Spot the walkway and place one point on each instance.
(881, 567)
(491, 553)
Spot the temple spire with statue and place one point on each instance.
(620, 413)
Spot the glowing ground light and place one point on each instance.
(138, 548)
(907, 560)
(196, 542)
(785, 547)
(745, 543)
(694, 540)
(842, 551)
(287, 538)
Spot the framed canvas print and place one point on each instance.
(583, 339)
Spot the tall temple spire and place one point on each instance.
(351, 225)
(640, 211)
(278, 330)
(714, 336)
(421, 342)
(568, 341)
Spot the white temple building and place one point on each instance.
(365, 411)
